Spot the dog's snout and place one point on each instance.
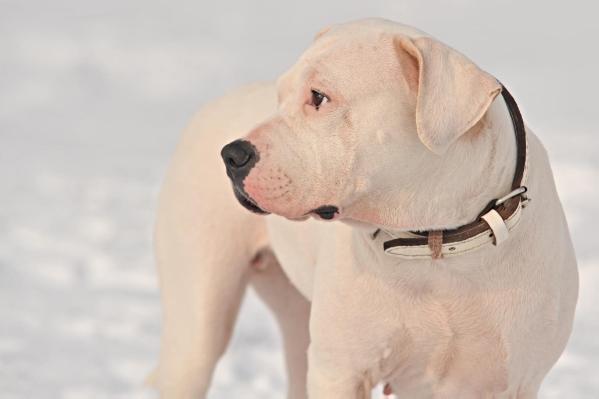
(239, 157)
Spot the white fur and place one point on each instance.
(486, 324)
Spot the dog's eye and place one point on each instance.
(318, 99)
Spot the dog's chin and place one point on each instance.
(300, 218)
(248, 203)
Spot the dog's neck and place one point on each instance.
(454, 188)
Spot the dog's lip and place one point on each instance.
(326, 212)
(247, 202)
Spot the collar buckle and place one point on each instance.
(496, 223)
(520, 191)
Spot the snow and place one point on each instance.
(93, 97)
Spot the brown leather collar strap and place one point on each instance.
(503, 212)
(520, 132)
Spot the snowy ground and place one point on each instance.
(91, 102)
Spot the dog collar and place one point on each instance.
(493, 224)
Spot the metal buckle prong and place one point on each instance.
(519, 191)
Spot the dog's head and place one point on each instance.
(370, 107)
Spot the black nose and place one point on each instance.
(239, 157)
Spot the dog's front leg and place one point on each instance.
(331, 380)
(292, 311)
(339, 356)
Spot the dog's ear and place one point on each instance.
(452, 94)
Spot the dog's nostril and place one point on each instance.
(237, 154)
(238, 161)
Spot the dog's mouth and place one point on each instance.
(326, 212)
(247, 202)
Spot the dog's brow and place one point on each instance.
(316, 79)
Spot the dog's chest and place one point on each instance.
(440, 342)
(441, 336)
(418, 329)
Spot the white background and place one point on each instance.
(93, 96)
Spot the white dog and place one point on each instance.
(441, 279)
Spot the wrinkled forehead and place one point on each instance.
(342, 59)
